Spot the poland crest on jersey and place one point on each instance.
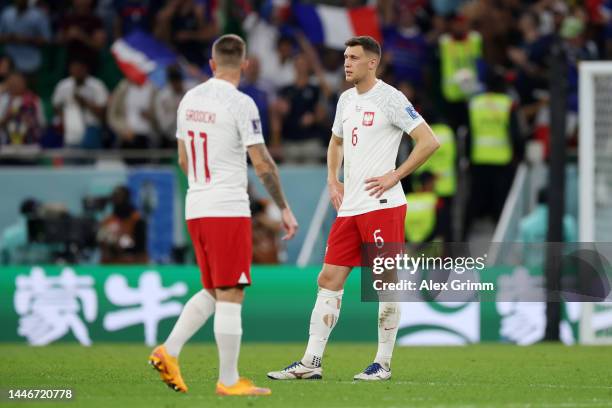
(368, 118)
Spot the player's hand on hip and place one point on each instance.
(336, 193)
(378, 185)
(290, 224)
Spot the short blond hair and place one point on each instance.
(229, 50)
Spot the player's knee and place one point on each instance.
(328, 281)
(233, 295)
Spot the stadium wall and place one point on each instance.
(90, 304)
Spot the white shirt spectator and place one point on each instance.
(137, 102)
(75, 118)
(262, 39)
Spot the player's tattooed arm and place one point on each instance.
(266, 170)
(268, 174)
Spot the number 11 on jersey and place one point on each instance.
(204, 138)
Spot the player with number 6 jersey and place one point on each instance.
(370, 120)
(217, 125)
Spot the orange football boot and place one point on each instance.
(168, 368)
(243, 387)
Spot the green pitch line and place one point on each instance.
(117, 375)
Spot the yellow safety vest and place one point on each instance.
(456, 55)
(490, 124)
(420, 216)
(442, 162)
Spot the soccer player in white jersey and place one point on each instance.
(217, 125)
(370, 120)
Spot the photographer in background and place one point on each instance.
(123, 234)
(267, 226)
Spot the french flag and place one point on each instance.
(332, 26)
(142, 58)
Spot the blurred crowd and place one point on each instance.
(59, 85)
(460, 62)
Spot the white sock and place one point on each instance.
(323, 319)
(388, 322)
(195, 313)
(228, 332)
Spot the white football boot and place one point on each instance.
(373, 372)
(297, 371)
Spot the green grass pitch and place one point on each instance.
(117, 375)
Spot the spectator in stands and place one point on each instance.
(496, 145)
(406, 49)
(189, 27)
(530, 59)
(79, 102)
(262, 32)
(24, 29)
(82, 32)
(106, 11)
(460, 56)
(314, 62)
(495, 23)
(134, 15)
(332, 63)
(131, 115)
(123, 234)
(443, 166)
(6, 67)
(250, 86)
(299, 117)
(21, 115)
(421, 223)
(166, 104)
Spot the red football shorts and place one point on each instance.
(223, 249)
(376, 227)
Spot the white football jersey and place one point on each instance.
(372, 125)
(217, 123)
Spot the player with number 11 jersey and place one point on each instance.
(217, 125)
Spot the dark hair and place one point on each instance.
(426, 177)
(368, 43)
(229, 50)
(494, 81)
(174, 73)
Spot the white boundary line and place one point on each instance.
(504, 220)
